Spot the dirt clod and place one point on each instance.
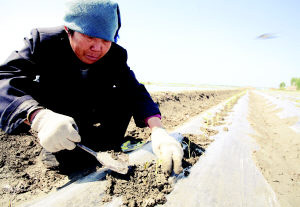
(142, 186)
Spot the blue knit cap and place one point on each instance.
(95, 18)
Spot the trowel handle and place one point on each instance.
(92, 152)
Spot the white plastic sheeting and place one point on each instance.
(288, 103)
(225, 176)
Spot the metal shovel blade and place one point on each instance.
(107, 160)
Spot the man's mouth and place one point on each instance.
(92, 57)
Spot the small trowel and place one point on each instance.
(106, 160)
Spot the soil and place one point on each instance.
(178, 108)
(278, 156)
(24, 177)
(146, 185)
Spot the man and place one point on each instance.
(72, 84)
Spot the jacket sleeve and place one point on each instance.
(18, 85)
(143, 105)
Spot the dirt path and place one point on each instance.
(279, 153)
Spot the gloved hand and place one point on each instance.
(55, 131)
(167, 149)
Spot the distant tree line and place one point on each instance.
(282, 85)
(294, 82)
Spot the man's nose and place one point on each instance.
(97, 45)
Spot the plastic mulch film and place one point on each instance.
(226, 175)
(288, 103)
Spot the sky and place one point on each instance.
(194, 41)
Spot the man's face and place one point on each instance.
(88, 49)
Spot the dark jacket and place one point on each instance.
(47, 72)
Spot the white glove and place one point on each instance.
(167, 149)
(55, 131)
